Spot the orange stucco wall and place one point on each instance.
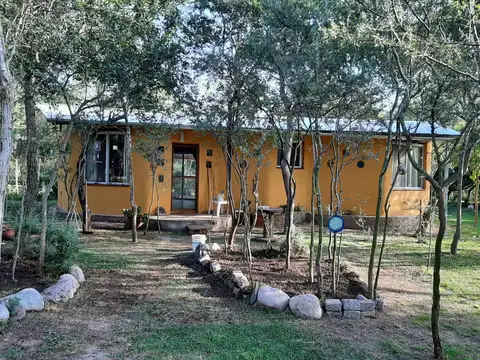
(359, 186)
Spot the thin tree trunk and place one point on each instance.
(31, 191)
(154, 171)
(20, 225)
(312, 229)
(48, 189)
(381, 177)
(6, 107)
(318, 259)
(132, 185)
(384, 238)
(458, 225)
(437, 345)
(477, 185)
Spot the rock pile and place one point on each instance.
(355, 309)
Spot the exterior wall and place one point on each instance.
(359, 185)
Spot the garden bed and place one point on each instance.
(269, 268)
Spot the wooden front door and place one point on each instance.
(184, 178)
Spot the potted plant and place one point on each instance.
(128, 214)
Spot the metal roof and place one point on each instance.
(60, 114)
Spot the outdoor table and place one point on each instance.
(268, 214)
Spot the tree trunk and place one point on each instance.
(312, 228)
(132, 185)
(437, 345)
(48, 189)
(458, 225)
(6, 107)
(477, 185)
(31, 191)
(154, 171)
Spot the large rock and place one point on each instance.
(351, 305)
(272, 298)
(367, 305)
(306, 306)
(215, 267)
(29, 298)
(333, 305)
(242, 282)
(63, 290)
(4, 313)
(77, 273)
(353, 315)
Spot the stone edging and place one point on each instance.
(15, 306)
(358, 308)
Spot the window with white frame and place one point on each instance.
(296, 148)
(106, 159)
(409, 177)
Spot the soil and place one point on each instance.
(269, 268)
(25, 273)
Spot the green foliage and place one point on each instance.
(62, 247)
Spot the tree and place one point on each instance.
(217, 94)
(149, 146)
(432, 50)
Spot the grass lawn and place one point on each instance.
(145, 302)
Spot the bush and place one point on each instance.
(62, 244)
(62, 247)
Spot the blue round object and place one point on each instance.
(336, 224)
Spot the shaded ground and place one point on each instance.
(143, 302)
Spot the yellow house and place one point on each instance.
(194, 173)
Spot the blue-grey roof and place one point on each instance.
(60, 114)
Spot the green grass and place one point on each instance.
(459, 352)
(394, 347)
(245, 341)
(103, 261)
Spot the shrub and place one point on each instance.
(62, 247)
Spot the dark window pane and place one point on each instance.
(96, 159)
(296, 148)
(118, 160)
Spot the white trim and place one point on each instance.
(300, 166)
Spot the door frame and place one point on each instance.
(185, 211)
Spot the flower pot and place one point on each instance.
(259, 223)
(129, 220)
(8, 234)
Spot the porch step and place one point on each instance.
(198, 229)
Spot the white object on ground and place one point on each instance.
(198, 239)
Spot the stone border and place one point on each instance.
(304, 305)
(14, 307)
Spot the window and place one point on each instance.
(298, 158)
(412, 178)
(106, 159)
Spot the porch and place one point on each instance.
(168, 223)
